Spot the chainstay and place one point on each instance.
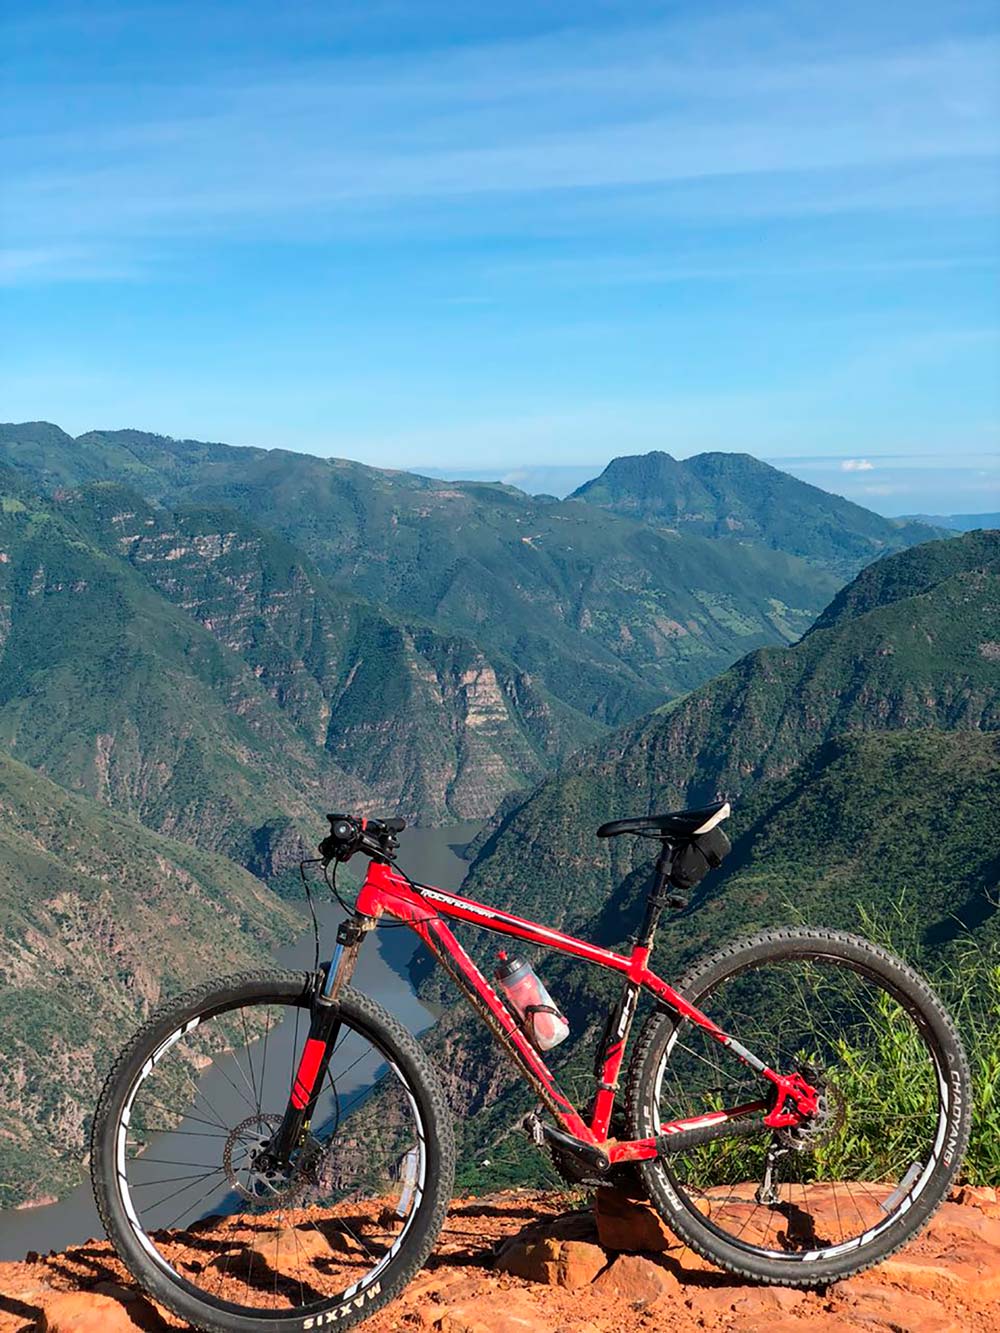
(670, 1145)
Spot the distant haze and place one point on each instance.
(889, 485)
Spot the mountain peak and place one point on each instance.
(737, 496)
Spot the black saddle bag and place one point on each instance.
(693, 860)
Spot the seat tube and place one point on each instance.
(608, 1060)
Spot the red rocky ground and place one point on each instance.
(532, 1263)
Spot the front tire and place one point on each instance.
(874, 1171)
(196, 1039)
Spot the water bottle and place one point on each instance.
(527, 996)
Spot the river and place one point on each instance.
(430, 855)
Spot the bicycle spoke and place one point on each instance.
(807, 1191)
(285, 1234)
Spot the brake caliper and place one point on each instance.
(791, 1088)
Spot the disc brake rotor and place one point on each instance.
(254, 1177)
(823, 1126)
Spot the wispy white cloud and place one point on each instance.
(856, 465)
(640, 122)
(64, 263)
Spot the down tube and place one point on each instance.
(480, 994)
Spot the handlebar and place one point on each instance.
(350, 834)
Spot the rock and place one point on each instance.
(829, 1323)
(434, 1284)
(902, 1311)
(971, 1276)
(765, 1300)
(342, 1241)
(579, 1263)
(986, 1197)
(637, 1281)
(431, 1293)
(717, 1299)
(627, 1224)
(289, 1248)
(562, 1263)
(84, 1312)
(689, 1264)
(117, 1293)
(952, 1222)
(489, 1316)
(580, 1225)
(947, 1280)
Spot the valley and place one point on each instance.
(865, 759)
(383, 973)
(203, 649)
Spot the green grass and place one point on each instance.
(967, 981)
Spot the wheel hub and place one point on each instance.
(251, 1172)
(821, 1127)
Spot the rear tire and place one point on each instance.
(141, 1252)
(673, 1184)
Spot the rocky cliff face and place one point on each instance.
(101, 918)
(431, 726)
(522, 1262)
(117, 693)
(609, 616)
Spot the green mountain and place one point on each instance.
(150, 463)
(957, 522)
(892, 832)
(740, 498)
(851, 798)
(431, 726)
(606, 615)
(99, 918)
(898, 819)
(116, 693)
(914, 642)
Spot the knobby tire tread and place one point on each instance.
(686, 1224)
(426, 1085)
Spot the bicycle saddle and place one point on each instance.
(678, 824)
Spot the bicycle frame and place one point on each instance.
(386, 892)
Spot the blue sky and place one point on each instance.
(480, 236)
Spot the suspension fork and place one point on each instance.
(324, 1030)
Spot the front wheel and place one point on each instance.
(817, 1203)
(191, 1200)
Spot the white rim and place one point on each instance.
(906, 1202)
(354, 1296)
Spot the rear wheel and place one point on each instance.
(807, 1206)
(192, 1203)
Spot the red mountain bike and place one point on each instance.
(274, 1151)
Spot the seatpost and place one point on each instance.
(659, 895)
